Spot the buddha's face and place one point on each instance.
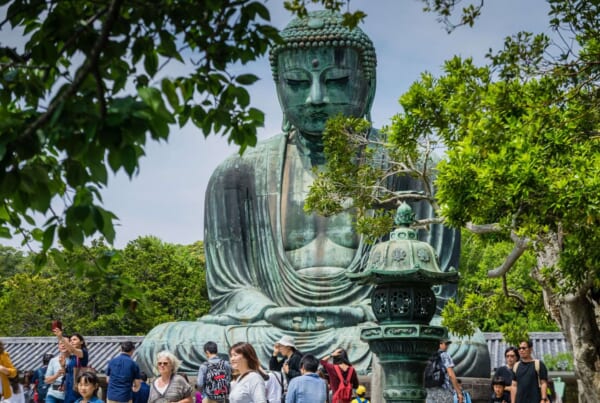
(316, 84)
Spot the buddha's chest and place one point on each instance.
(308, 234)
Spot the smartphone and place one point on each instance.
(56, 324)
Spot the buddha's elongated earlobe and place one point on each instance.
(286, 126)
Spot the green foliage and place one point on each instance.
(147, 283)
(559, 362)
(521, 137)
(516, 302)
(85, 93)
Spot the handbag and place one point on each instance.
(78, 369)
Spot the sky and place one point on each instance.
(166, 198)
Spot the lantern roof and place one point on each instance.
(403, 258)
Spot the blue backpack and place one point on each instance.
(41, 386)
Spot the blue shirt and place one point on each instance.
(93, 399)
(446, 363)
(122, 371)
(308, 388)
(142, 395)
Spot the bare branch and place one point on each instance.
(483, 228)
(521, 244)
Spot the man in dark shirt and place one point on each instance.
(122, 375)
(530, 379)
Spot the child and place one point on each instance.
(87, 386)
(499, 395)
(18, 395)
(361, 391)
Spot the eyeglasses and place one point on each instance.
(162, 364)
(523, 348)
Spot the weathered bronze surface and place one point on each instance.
(272, 269)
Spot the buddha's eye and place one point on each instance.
(337, 77)
(297, 79)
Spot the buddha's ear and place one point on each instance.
(286, 126)
(370, 97)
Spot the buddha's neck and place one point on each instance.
(308, 147)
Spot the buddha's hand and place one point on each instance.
(315, 318)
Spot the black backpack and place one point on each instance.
(217, 381)
(435, 374)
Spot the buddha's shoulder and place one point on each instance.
(263, 150)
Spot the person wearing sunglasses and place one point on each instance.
(530, 379)
(169, 386)
(511, 355)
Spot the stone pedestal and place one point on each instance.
(402, 351)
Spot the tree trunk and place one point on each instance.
(578, 315)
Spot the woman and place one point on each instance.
(250, 385)
(169, 386)
(77, 357)
(340, 360)
(7, 371)
(511, 355)
(55, 375)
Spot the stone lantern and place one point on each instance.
(403, 270)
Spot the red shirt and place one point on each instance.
(334, 381)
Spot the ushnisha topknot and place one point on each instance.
(325, 28)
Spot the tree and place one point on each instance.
(86, 91)
(83, 88)
(522, 160)
(147, 283)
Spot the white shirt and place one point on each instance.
(18, 397)
(249, 389)
(53, 367)
(274, 387)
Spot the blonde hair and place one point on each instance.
(175, 362)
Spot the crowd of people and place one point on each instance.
(522, 380)
(289, 377)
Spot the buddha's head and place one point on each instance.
(322, 69)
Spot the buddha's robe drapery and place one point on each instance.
(256, 294)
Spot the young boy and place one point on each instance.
(499, 395)
(361, 391)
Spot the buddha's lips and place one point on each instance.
(319, 115)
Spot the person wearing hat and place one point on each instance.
(361, 391)
(445, 393)
(286, 358)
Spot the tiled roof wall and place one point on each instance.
(544, 343)
(26, 352)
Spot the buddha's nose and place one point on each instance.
(317, 95)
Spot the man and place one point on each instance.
(445, 393)
(290, 361)
(530, 377)
(122, 375)
(309, 387)
(37, 379)
(142, 395)
(214, 376)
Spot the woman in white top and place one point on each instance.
(250, 386)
